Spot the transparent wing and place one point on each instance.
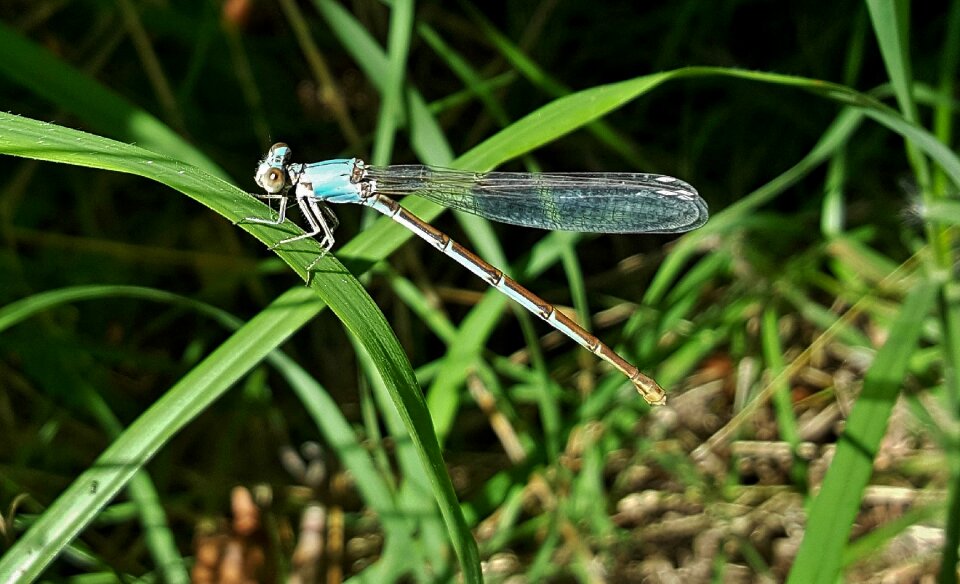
(586, 202)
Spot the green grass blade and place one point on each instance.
(891, 23)
(833, 139)
(102, 108)
(426, 137)
(944, 121)
(78, 505)
(391, 104)
(944, 110)
(603, 131)
(782, 403)
(398, 41)
(558, 118)
(465, 72)
(833, 511)
(337, 431)
(142, 491)
(413, 495)
(331, 282)
(569, 113)
(158, 536)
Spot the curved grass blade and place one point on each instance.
(79, 504)
(334, 285)
(338, 433)
(566, 114)
(102, 108)
(143, 493)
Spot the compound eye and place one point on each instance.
(271, 178)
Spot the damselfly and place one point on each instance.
(586, 202)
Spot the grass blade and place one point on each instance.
(401, 28)
(331, 282)
(323, 409)
(426, 137)
(102, 108)
(832, 512)
(78, 505)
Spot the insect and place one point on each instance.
(585, 202)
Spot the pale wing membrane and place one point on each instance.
(586, 202)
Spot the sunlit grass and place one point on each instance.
(786, 330)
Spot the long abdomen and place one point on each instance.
(647, 387)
